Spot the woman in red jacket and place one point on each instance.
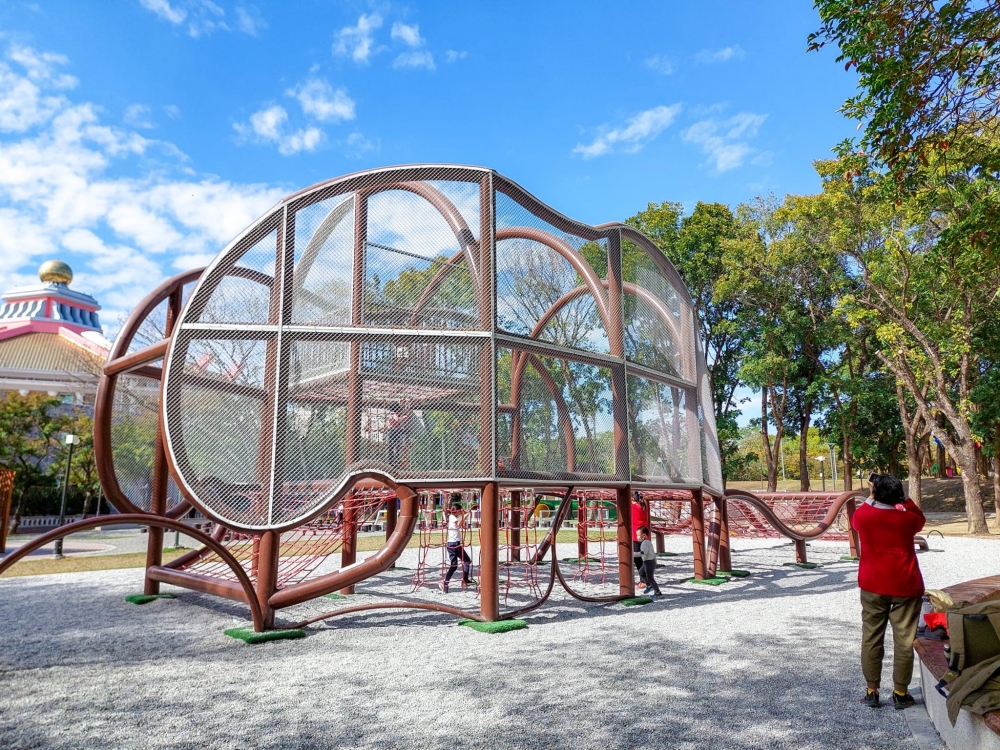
(891, 585)
(640, 518)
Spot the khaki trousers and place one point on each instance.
(877, 610)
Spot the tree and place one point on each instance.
(926, 288)
(926, 69)
(695, 245)
(779, 283)
(29, 428)
(83, 470)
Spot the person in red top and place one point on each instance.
(640, 518)
(891, 585)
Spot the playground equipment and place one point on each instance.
(377, 342)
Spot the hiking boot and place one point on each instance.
(647, 589)
(655, 595)
(899, 702)
(871, 699)
(444, 587)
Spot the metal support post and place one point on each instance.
(349, 550)
(515, 525)
(267, 575)
(698, 533)
(626, 579)
(489, 554)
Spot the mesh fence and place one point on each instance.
(658, 431)
(541, 294)
(555, 418)
(133, 438)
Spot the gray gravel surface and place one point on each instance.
(769, 661)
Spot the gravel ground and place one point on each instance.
(769, 661)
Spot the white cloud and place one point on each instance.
(451, 55)
(724, 141)
(408, 34)
(165, 10)
(173, 111)
(137, 115)
(422, 59)
(660, 64)
(357, 145)
(268, 126)
(204, 17)
(721, 55)
(637, 132)
(122, 234)
(357, 41)
(249, 20)
(40, 66)
(319, 100)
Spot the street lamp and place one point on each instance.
(70, 440)
(822, 477)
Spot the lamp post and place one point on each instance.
(833, 465)
(822, 476)
(70, 440)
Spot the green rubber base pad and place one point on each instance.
(581, 559)
(848, 558)
(334, 596)
(636, 601)
(247, 635)
(500, 626)
(667, 554)
(707, 581)
(806, 565)
(147, 598)
(732, 573)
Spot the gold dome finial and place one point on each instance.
(55, 271)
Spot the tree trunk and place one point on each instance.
(804, 449)
(913, 468)
(940, 462)
(770, 456)
(848, 464)
(996, 491)
(965, 458)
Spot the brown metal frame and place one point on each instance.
(478, 256)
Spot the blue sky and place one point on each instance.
(138, 137)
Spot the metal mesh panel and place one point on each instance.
(243, 294)
(313, 460)
(558, 420)
(658, 436)
(324, 262)
(422, 407)
(133, 438)
(711, 462)
(416, 275)
(220, 426)
(539, 292)
(653, 325)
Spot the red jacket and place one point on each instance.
(640, 517)
(888, 560)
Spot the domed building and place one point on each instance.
(51, 339)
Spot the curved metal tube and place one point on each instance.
(146, 519)
(381, 561)
(769, 515)
(106, 390)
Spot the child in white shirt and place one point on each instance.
(648, 554)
